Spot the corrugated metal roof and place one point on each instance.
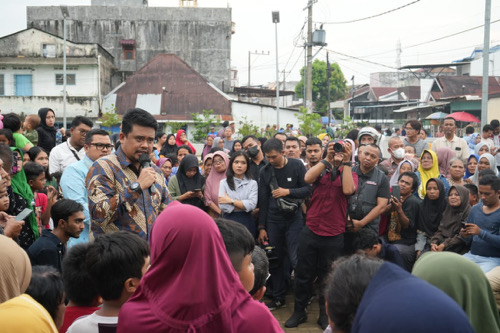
(456, 86)
(182, 90)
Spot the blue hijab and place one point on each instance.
(396, 301)
(467, 173)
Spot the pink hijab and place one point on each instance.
(445, 155)
(191, 285)
(211, 193)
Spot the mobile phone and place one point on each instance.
(24, 214)
(396, 192)
(462, 224)
(197, 190)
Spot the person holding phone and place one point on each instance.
(402, 231)
(186, 186)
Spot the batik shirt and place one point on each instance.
(114, 206)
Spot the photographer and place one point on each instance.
(282, 190)
(322, 239)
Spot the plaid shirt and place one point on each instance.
(114, 206)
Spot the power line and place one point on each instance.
(353, 57)
(373, 16)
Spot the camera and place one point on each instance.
(271, 254)
(339, 146)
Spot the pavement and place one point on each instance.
(284, 313)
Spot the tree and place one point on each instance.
(310, 123)
(202, 124)
(247, 127)
(174, 126)
(110, 118)
(320, 84)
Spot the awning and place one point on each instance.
(410, 108)
(127, 42)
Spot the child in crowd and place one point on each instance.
(239, 245)
(473, 194)
(376, 247)
(116, 263)
(35, 175)
(40, 156)
(31, 122)
(81, 292)
(261, 272)
(7, 137)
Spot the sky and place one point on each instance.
(360, 48)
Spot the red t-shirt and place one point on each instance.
(41, 201)
(327, 214)
(73, 313)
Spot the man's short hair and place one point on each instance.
(138, 117)
(486, 172)
(495, 123)
(32, 170)
(365, 239)
(46, 287)
(353, 135)
(114, 258)
(11, 121)
(279, 133)
(272, 144)
(96, 131)
(63, 209)
(6, 157)
(487, 128)
(413, 176)
(293, 138)
(313, 141)
(246, 137)
(8, 135)
(81, 120)
(415, 124)
(260, 269)
(183, 147)
(374, 146)
(452, 119)
(469, 130)
(472, 189)
(77, 282)
(238, 240)
(491, 180)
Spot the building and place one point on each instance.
(135, 33)
(31, 74)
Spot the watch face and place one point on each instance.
(134, 186)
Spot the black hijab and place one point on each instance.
(431, 211)
(168, 149)
(188, 184)
(46, 134)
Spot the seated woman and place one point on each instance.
(404, 166)
(191, 285)
(181, 140)
(165, 164)
(238, 193)
(186, 186)
(427, 169)
(447, 237)
(486, 161)
(457, 172)
(208, 146)
(466, 283)
(236, 147)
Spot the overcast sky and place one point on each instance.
(373, 40)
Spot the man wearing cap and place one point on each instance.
(368, 135)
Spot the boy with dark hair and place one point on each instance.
(81, 292)
(13, 122)
(115, 263)
(239, 246)
(473, 194)
(261, 272)
(374, 246)
(50, 248)
(486, 136)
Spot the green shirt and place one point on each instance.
(21, 141)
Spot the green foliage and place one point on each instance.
(247, 127)
(310, 123)
(202, 124)
(320, 84)
(346, 127)
(174, 126)
(110, 118)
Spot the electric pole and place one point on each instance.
(328, 76)
(309, 55)
(249, 64)
(486, 63)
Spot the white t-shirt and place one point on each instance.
(89, 324)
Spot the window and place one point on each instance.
(23, 85)
(49, 50)
(128, 47)
(70, 79)
(2, 89)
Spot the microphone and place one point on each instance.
(145, 161)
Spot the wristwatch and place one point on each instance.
(232, 202)
(136, 187)
(347, 164)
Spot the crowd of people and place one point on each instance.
(135, 232)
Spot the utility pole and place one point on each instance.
(486, 63)
(309, 55)
(65, 13)
(276, 20)
(249, 64)
(328, 76)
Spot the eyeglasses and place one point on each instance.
(218, 162)
(101, 146)
(409, 128)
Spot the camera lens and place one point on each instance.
(338, 147)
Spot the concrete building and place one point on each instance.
(31, 74)
(134, 34)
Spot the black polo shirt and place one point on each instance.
(47, 250)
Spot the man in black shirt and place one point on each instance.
(251, 145)
(50, 248)
(282, 178)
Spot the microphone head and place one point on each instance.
(145, 160)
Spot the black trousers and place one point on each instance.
(314, 257)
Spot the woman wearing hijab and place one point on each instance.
(482, 148)
(187, 183)
(169, 147)
(486, 161)
(218, 145)
(46, 130)
(466, 283)
(447, 237)
(165, 164)
(208, 146)
(15, 269)
(403, 166)
(191, 285)
(207, 164)
(470, 168)
(444, 156)
(427, 169)
(431, 212)
(218, 173)
(181, 139)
